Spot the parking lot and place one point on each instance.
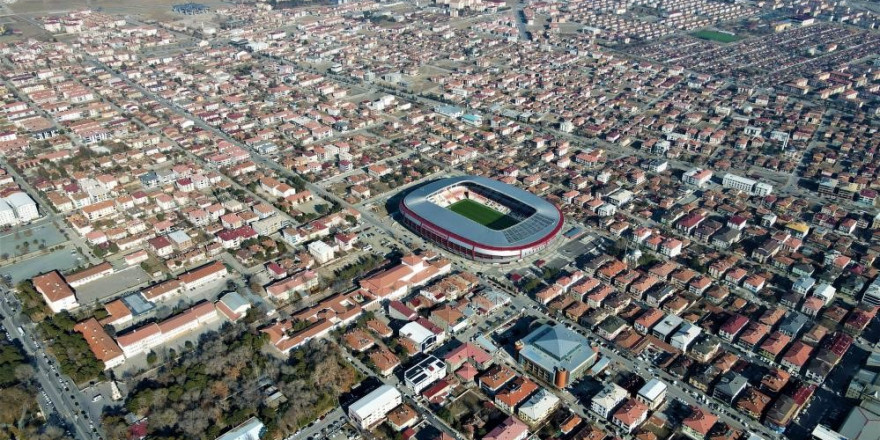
(29, 238)
(575, 248)
(62, 260)
(111, 285)
(333, 426)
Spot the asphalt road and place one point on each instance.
(322, 428)
(66, 399)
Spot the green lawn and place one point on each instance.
(720, 37)
(482, 214)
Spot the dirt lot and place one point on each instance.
(20, 15)
(40, 7)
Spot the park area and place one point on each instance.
(721, 37)
(482, 214)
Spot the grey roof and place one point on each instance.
(486, 343)
(537, 226)
(667, 325)
(793, 323)
(539, 405)
(805, 282)
(653, 389)
(863, 423)
(556, 347)
(731, 384)
(19, 199)
(179, 236)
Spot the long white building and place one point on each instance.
(147, 337)
(744, 184)
(372, 408)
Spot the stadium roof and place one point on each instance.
(545, 221)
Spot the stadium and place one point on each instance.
(481, 219)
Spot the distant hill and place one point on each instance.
(283, 4)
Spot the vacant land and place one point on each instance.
(482, 214)
(720, 37)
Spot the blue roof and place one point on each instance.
(234, 300)
(486, 344)
(572, 232)
(137, 304)
(448, 109)
(600, 366)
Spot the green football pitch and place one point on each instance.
(721, 37)
(482, 214)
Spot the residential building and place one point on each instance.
(630, 415)
(422, 333)
(698, 424)
(514, 393)
(685, 336)
(534, 410)
(510, 429)
(825, 292)
(424, 373)
(606, 401)
(495, 378)
(730, 386)
(322, 252)
(652, 393)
